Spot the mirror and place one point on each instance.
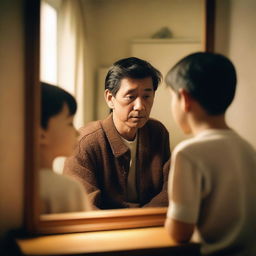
(100, 20)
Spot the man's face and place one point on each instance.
(132, 104)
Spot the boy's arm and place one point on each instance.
(184, 188)
(179, 231)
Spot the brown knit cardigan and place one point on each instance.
(101, 163)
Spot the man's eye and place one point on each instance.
(130, 97)
(146, 96)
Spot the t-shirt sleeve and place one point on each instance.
(184, 189)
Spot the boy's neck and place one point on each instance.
(46, 160)
(208, 122)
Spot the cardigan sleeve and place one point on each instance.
(161, 199)
(82, 167)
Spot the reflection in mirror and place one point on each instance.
(58, 137)
(80, 40)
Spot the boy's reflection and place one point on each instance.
(58, 138)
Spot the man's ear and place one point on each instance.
(109, 98)
(186, 100)
(43, 137)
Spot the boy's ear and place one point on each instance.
(43, 139)
(186, 100)
(109, 97)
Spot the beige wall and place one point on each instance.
(112, 24)
(236, 38)
(117, 22)
(163, 56)
(11, 113)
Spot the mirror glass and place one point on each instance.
(81, 39)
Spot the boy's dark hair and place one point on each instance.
(209, 78)
(52, 101)
(130, 68)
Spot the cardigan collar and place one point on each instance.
(116, 143)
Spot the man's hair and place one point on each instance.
(209, 78)
(52, 101)
(130, 68)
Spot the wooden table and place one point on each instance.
(142, 241)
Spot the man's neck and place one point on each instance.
(125, 131)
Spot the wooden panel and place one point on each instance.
(101, 220)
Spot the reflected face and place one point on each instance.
(132, 104)
(60, 133)
(178, 111)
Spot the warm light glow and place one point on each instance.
(48, 44)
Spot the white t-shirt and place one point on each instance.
(212, 184)
(132, 194)
(61, 194)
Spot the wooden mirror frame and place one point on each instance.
(77, 222)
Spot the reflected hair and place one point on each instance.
(130, 68)
(209, 78)
(52, 102)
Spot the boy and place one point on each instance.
(58, 138)
(213, 175)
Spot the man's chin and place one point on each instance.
(138, 124)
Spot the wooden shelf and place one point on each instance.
(164, 41)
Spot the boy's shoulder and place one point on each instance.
(198, 143)
(57, 180)
(213, 140)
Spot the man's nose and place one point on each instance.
(139, 104)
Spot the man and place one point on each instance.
(120, 160)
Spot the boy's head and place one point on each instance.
(53, 99)
(209, 78)
(58, 135)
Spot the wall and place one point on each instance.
(163, 56)
(112, 24)
(117, 22)
(236, 37)
(11, 113)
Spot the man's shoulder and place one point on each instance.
(90, 129)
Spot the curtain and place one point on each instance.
(73, 64)
(73, 61)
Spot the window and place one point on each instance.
(48, 44)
